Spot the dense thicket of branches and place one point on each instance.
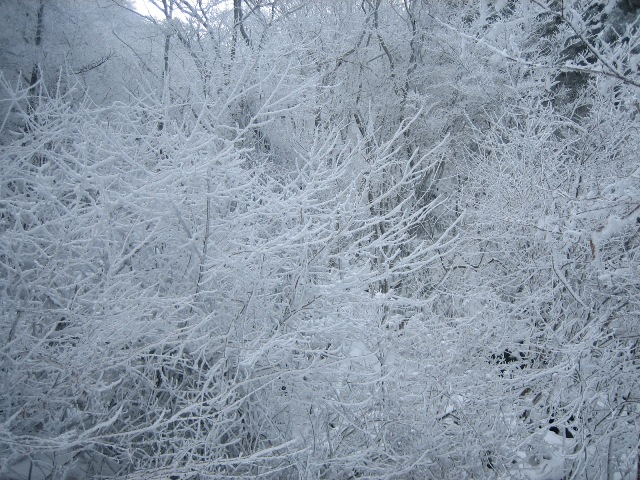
(301, 239)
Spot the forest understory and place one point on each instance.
(296, 239)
